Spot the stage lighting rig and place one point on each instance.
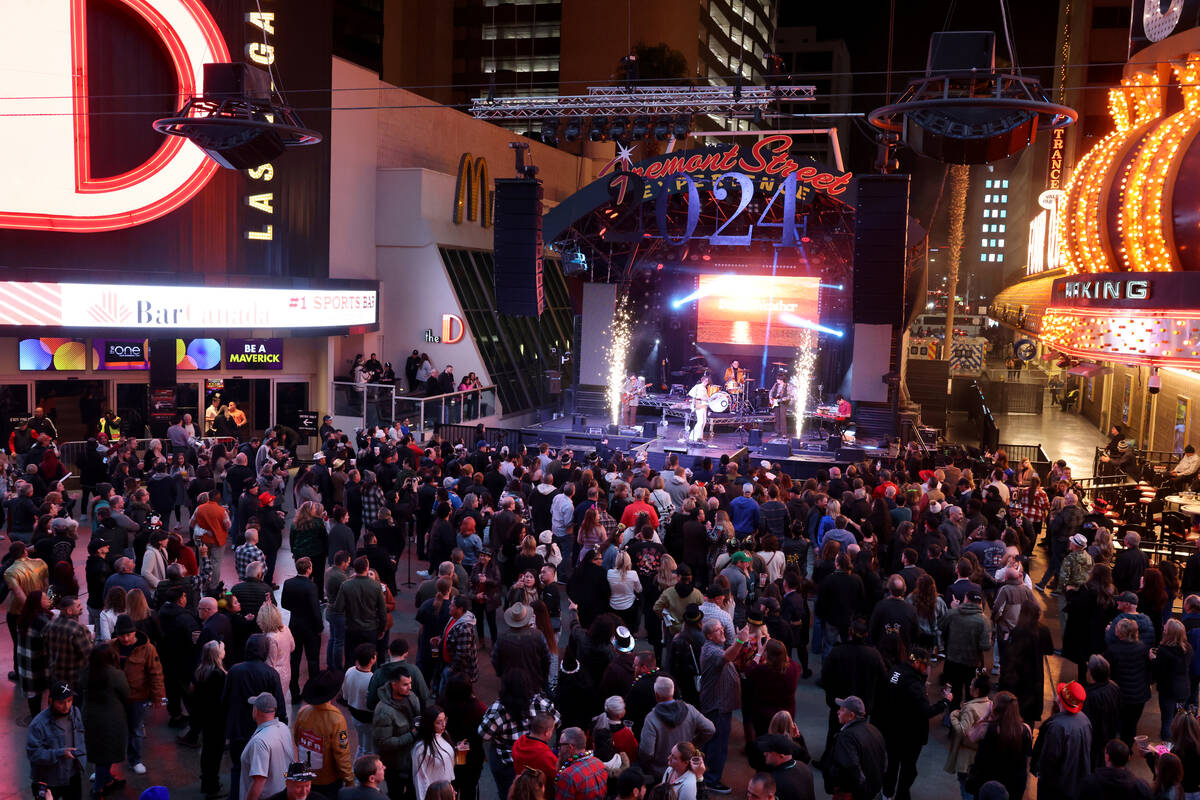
(237, 122)
(550, 131)
(965, 111)
(599, 130)
(640, 126)
(652, 101)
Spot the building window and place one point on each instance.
(1002, 228)
(1004, 184)
(991, 256)
(987, 184)
(983, 256)
(987, 198)
(522, 30)
(1003, 198)
(1000, 257)
(985, 229)
(516, 351)
(983, 242)
(1001, 243)
(1004, 213)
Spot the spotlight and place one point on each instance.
(573, 129)
(683, 123)
(640, 126)
(550, 132)
(599, 128)
(618, 127)
(662, 129)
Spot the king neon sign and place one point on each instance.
(45, 159)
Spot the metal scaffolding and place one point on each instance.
(619, 101)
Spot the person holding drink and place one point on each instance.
(433, 756)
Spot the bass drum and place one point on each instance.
(719, 403)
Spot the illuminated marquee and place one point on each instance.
(137, 307)
(43, 73)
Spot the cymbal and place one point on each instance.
(780, 363)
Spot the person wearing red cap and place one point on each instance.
(1062, 755)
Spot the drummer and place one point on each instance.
(735, 376)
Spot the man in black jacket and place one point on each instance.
(299, 596)
(1129, 565)
(838, 595)
(684, 655)
(244, 681)
(1102, 706)
(894, 614)
(902, 713)
(179, 630)
(1114, 779)
(521, 646)
(859, 758)
(852, 667)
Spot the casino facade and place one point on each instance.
(1116, 301)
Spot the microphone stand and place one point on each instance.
(412, 542)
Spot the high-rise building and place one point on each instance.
(825, 64)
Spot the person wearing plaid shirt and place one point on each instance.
(500, 727)
(459, 650)
(581, 776)
(248, 553)
(1034, 504)
(67, 642)
(372, 498)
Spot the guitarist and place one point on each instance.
(633, 388)
(699, 399)
(781, 398)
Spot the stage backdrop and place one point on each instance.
(872, 357)
(756, 310)
(599, 301)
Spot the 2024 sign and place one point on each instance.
(628, 190)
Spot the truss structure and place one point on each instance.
(618, 101)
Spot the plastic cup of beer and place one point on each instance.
(1142, 743)
(460, 753)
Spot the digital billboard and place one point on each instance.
(59, 355)
(254, 353)
(747, 309)
(201, 354)
(120, 354)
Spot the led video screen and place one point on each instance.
(739, 309)
(55, 355)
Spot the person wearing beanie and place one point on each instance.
(138, 658)
(1062, 753)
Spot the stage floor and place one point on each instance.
(804, 461)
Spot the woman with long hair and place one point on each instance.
(1185, 745)
(1152, 600)
(32, 661)
(1168, 778)
(962, 722)
(529, 785)
(1022, 671)
(624, 586)
(1090, 609)
(516, 705)
(525, 590)
(145, 620)
(281, 644)
(772, 685)
(432, 753)
(1004, 744)
(678, 775)
(310, 539)
(1101, 549)
(541, 617)
(1170, 665)
(773, 559)
(114, 606)
(931, 609)
(591, 533)
(208, 686)
(464, 712)
(105, 727)
(528, 559)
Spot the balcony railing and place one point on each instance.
(382, 404)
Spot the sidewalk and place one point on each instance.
(1061, 434)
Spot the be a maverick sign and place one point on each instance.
(254, 353)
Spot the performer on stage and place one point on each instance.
(843, 407)
(633, 388)
(781, 398)
(735, 376)
(699, 397)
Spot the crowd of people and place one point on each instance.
(420, 375)
(633, 617)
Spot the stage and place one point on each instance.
(799, 458)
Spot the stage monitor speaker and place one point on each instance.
(754, 437)
(676, 449)
(650, 430)
(961, 51)
(612, 430)
(851, 454)
(880, 244)
(777, 449)
(518, 247)
(795, 443)
(578, 423)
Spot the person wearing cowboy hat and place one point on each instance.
(521, 645)
(321, 736)
(1062, 753)
(299, 783)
